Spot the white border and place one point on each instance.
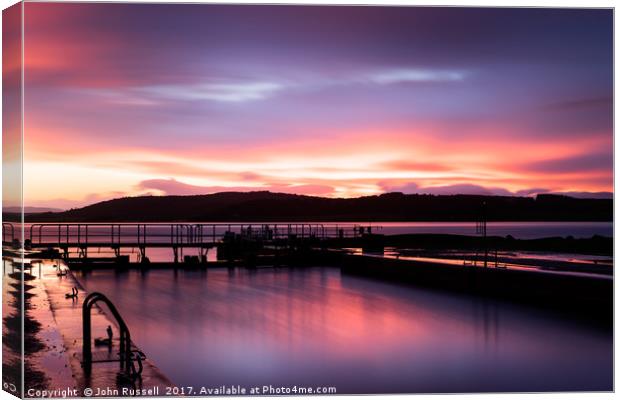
(478, 3)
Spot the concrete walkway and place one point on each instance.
(106, 379)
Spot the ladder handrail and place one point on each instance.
(125, 336)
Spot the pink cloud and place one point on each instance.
(174, 187)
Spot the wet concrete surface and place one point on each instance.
(64, 337)
(53, 358)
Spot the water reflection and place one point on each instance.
(315, 327)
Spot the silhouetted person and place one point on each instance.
(73, 295)
(105, 341)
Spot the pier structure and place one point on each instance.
(66, 238)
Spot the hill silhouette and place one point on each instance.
(267, 206)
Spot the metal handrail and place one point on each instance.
(179, 234)
(125, 352)
(7, 226)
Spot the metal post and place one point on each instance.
(87, 356)
(484, 233)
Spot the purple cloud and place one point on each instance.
(599, 161)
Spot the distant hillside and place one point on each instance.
(267, 206)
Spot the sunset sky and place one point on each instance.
(131, 99)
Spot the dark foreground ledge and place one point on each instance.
(582, 295)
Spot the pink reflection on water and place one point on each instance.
(316, 327)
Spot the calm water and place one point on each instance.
(316, 327)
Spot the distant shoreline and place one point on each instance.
(596, 245)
